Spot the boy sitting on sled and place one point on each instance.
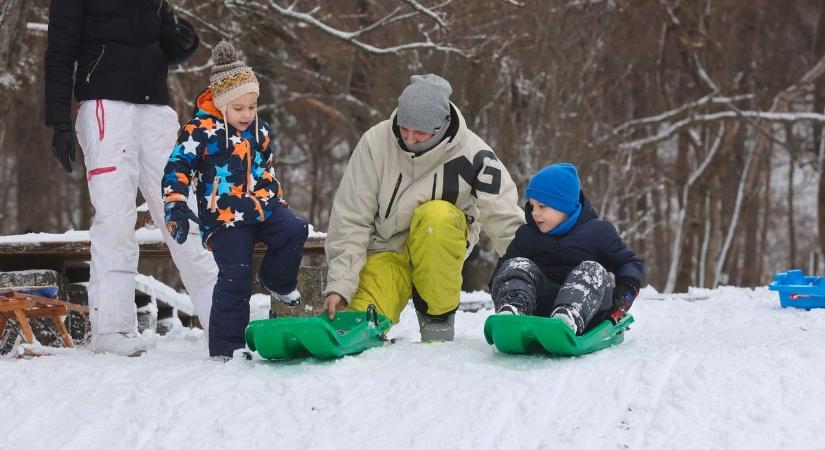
(558, 263)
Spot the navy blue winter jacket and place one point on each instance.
(590, 239)
(234, 178)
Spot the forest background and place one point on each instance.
(696, 124)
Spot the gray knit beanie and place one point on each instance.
(425, 103)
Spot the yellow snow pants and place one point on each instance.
(432, 259)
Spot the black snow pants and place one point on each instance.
(588, 288)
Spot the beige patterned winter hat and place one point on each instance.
(230, 78)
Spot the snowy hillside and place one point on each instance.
(729, 371)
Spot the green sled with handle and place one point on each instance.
(520, 334)
(300, 337)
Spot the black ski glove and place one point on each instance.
(624, 293)
(177, 219)
(63, 145)
(184, 34)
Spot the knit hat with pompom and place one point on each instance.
(230, 78)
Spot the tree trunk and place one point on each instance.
(750, 239)
(819, 86)
(706, 237)
(792, 150)
(13, 14)
(734, 221)
(766, 212)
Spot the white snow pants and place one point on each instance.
(125, 147)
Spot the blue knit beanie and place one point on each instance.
(556, 186)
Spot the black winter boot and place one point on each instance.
(514, 287)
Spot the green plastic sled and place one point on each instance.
(532, 334)
(299, 337)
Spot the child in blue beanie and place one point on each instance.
(558, 263)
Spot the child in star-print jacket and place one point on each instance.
(224, 152)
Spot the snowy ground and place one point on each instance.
(730, 371)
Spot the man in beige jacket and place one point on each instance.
(414, 197)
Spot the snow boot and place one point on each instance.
(289, 299)
(515, 285)
(508, 309)
(435, 329)
(570, 316)
(584, 291)
(124, 344)
(514, 302)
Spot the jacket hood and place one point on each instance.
(206, 104)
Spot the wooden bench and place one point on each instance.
(80, 249)
(69, 253)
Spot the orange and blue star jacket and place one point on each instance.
(233, 177)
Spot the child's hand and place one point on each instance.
(332, 303)
(177, 220)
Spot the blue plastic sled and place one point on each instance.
(799, 291)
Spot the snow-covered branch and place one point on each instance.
(783, 98)
(41, 27)
(428, 12)
(667, 115)
(671, 129)
(352, 37)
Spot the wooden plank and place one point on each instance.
(81, 250)
(83, 309)
(8, 304)
(36, 313)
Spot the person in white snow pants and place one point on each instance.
(125, 153)
(113, 55)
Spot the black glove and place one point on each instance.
(624, 293)
(177, 219)
(63, 145)
(184, 34)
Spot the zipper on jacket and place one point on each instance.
(250, 183)
(93, 66)
(213, 200)
(435, 180)
(392, 199)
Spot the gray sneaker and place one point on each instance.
(291, 299)
(436, 329)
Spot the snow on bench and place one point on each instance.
(68, 253)
(76, 245)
